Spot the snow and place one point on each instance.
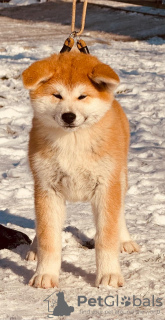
(14, 3)
(140, 66)
(128, 7)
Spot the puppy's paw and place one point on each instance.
(114, 280)
(31, 255)
(129, 247)
(44, 281)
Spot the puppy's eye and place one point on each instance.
(58, 96)
(83, 96)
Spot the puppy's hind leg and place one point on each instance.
(126, 243)
(32, 253)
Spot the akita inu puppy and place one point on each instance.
(77, 152)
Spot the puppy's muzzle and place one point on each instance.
(68, 117)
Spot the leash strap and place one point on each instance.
(69, 42)
(82, 19)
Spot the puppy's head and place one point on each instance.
(70, 90)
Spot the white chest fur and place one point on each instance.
(73, 170)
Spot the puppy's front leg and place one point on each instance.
(50, 212)
(106, 206)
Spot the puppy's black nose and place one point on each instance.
(68, 117)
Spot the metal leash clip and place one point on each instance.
(69, 42)
(81, 45)
(68, 45)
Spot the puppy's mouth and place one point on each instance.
(70, 127)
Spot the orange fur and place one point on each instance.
(88, 164)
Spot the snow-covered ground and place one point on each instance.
(13, 3)
(141, 67)
(127, 7)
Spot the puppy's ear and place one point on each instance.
(103, 75)
(38, 72)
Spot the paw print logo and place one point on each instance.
(126, 301)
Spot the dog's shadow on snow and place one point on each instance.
(26, 274)
(86, 243)
(80, 237)
(18, 270)
(7, 217)
(78, 272)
